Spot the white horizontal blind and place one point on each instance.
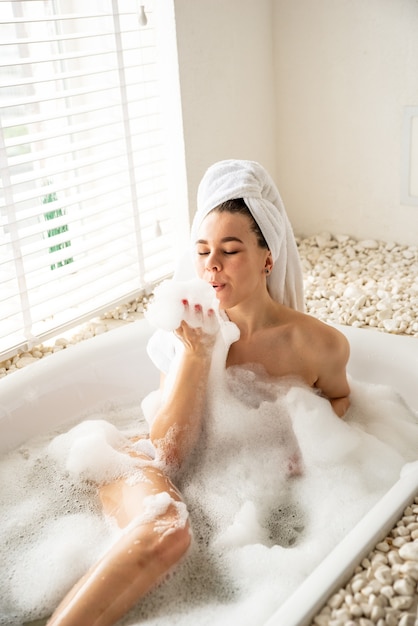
(85, 220)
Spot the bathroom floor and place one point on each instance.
(368, 284)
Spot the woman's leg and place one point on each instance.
(156, 535)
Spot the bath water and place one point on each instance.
(259, 527)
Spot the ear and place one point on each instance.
(268, 265)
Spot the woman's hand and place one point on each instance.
(198, 328)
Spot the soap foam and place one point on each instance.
(258, 531)
(259, 528)
(167, 308)
(52, 529)
(95, 450)
(155, 506)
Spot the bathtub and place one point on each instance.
(73, 382)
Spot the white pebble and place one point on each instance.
(407, 619)
(383, 546)
(357, 584)
(387, 591)
(342, 614)
(384, 314)
(394, 558)
(61, 341)
(342, 238)
(356, 610)
(403, 531)
(410, 568)
(409, 551)
(401, 602)
(324, 240)
(377, 613)
(403, 587)
(373, 587)
(391, 325)
(24, 361)
(360, 302)
(325, 273)
(336, 601)
(368, 244)
(391, 619)
(384, 575)
(379, 559)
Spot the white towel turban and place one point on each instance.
(230, 179)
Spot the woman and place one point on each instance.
(243, 246)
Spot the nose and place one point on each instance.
(212, 263)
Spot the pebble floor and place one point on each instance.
(370, 284)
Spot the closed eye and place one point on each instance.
(223, 252)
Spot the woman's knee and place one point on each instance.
(173, 534)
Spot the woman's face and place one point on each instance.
(229, 258)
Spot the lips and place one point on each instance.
(217, 286)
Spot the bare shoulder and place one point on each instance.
(324, 352)
(324, 339)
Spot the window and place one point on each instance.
(87, 212)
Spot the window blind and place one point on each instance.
(84, 202)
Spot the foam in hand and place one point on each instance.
(168, 309)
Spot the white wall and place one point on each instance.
(345, 70)
(225, 52)
(316, 91)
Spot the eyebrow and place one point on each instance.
(223, 240)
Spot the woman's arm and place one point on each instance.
(177, 425)
(332, 379)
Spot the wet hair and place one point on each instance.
(237, 205)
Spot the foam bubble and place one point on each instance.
(167, 310)
(94, 450)
(155, 506)
(55, 561)
(244, 530)
(258, 530)
(52, 529)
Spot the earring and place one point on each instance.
(267, 271)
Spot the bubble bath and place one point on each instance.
(259, 528)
